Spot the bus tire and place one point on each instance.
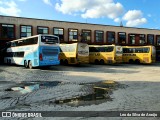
(10, 61)
(102, 62)
(96, 62)
(61, 62)
(7, 61)
(137, 61)
(25, 64)
(131, 61)
(66, 62)
(30, 64)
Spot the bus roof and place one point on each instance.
(32, 37)
(137, 46)
(102, 45)
(72, 43)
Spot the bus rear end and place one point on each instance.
(139, 54)
(102, 54)
(146, 54)
(153, 56)
(82, 54)
(49, 50)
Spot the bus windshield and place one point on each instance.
(49, 39)
(83, 49)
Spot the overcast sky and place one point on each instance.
(132, 13)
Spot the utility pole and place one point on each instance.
(121, 24)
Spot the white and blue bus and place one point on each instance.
(33, 51)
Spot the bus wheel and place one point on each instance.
(102, 62)
(137, 61)
(66, 62)
(30, 64)
(10, 61)
(61, 62)
(131, 61)
(7, 61)
(96, 62)
(25, 64)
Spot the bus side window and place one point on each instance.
(20, 43)
(92, 49)
(105, 49)
(131, 50)
(146, 50)
(96, 49)
(8, 44)
(125, 50)
(35, 40)
(13, 44)
(16, 43)
(110, 49)
(139, 50)
(101, 49)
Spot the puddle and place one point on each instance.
(101, 93)
(49, 84)
(26, 87)
(96, 98)
(7, 82)
(94, 93)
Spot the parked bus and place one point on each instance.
(105, 54)
(75, 53)
(157, 55)
(139, 54)
(2, 52)
(33, 51)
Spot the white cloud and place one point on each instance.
(22, 0)
(90, 9)
(48, 2)
(9, 8)
(134, 18)
(132, 15)
(136, 22)
(117, 20)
